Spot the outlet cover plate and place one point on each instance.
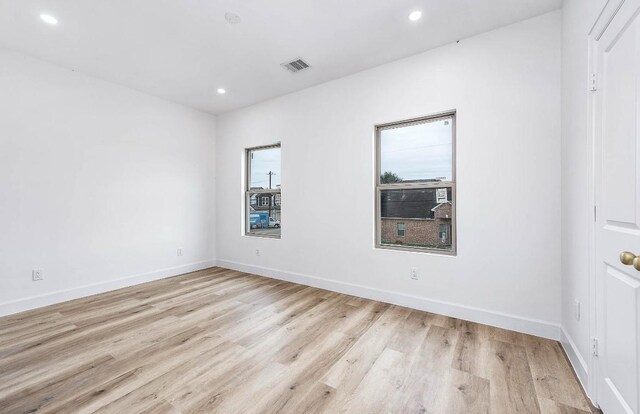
(37, 274)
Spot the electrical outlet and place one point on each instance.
(37, 274)
(414, 273)
(257, 252)
(577, 309)
(179, 251)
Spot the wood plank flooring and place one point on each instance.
(221, 341)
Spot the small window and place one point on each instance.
(262, 192)
(415, 184)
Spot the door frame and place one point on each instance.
(592, 361)
(603, 17)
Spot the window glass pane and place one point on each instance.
(425, 214)
(417, 153)
(264, 216)
(264, 168)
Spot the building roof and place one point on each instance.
(413, 203)
(446, 203)
(257, 208)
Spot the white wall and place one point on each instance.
(505, 85)
(97, 183)
(577, 203)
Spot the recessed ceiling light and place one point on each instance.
(48, 19)
(415, 15)
(221, 91)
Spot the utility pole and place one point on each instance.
(270, 174)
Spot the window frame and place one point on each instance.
(258, 192)
(379, 187)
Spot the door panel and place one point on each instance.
(622, 293)
(616, 50)
(620, 129)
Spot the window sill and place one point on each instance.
(263, 236)
(410, 249)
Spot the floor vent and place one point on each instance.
(295, 65)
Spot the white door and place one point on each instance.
(616, 61)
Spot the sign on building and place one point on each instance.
(441, 195)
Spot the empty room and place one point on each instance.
(320, 206)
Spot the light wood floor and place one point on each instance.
(220, 341)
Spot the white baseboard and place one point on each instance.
(502, 320)
(578, 363)
(20, 305)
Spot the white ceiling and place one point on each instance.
(184, 50)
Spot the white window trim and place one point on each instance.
(257, 192)
(379, 187)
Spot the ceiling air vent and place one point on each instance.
(295, 65)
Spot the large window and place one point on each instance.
(415, 184)
(262, 192)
